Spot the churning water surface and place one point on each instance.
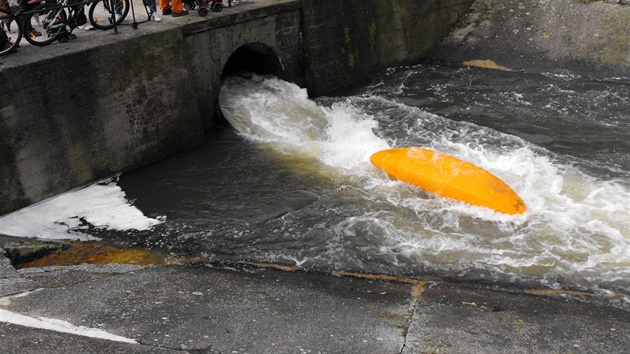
(290, 182)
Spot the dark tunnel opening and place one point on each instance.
(250, 58)
(253, 57)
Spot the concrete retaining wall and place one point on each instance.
(348, 42)
(72, 119)
(68, 118)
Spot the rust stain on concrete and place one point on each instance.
(556, 292)
(94, 253)
(488, 64)
(419, 286)
(418, 290)
(269, 265)
(376, 276)
(553, 292)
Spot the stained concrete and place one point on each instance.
(241, 308)
(559, 36)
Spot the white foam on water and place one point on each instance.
(272, 111)
(577, 226)
(102, 205)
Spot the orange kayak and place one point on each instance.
(449, 177)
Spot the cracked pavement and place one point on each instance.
(236, 308)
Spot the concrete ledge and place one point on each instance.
(544, 35)
(256, 10)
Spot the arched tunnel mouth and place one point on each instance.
(253, 57)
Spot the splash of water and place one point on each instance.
(576, 232)
(273, 112)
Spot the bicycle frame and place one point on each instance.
(60, 18)
(9, 39)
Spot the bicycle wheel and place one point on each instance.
(100, 13)
(45, 24)
(10, 33)
(189, 5)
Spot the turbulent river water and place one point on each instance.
(289, 180)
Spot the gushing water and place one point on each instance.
(576, 231)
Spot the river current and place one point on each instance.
(289, 181)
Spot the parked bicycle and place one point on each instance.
(53, 21)
(47, 22)
(10, 32)
(101, 15)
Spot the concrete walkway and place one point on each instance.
(240, 308)
(28, 53)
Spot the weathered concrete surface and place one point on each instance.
(465, 319)
(243, 309)
(266, 39)
(348, 42)
(92, 111)
(74, 113)
(11, 281)
(544, 35)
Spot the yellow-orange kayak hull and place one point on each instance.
(449, 177)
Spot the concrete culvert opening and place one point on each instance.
(250, 58)
(253, 57)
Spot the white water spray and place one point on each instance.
(577, 226)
